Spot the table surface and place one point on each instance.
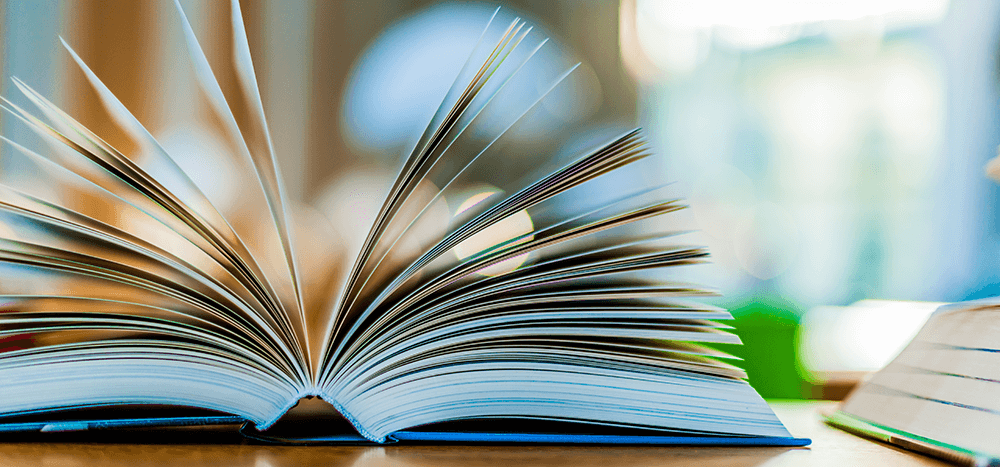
(191, 449)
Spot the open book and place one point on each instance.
(941, 395)
(124, 285)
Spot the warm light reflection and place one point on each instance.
(993, 168)
(473, 200)
(206, 160)
(351, 203)
(507, 229)
(7, 233)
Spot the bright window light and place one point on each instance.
(843, 342)
(675, 35)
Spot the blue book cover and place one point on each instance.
(326, 430)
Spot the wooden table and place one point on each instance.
(196, 448)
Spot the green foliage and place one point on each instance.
(767, 326)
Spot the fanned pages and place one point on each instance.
(545, 296)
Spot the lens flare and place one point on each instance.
(516, 226)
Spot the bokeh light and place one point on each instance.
(515, 226)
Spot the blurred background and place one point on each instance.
(833, 153)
